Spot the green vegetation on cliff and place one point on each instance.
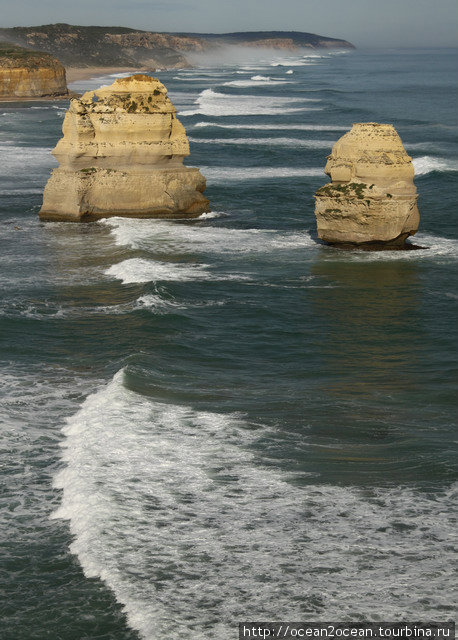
(13, 56)
(98, 46)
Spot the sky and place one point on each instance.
(365, 23)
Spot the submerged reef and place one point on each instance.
(122, 155)
(371, 201)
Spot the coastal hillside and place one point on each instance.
(79, 46)
(29, 74)
(290, 40)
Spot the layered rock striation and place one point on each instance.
(30, 74)
(122, 155)
(372, 199)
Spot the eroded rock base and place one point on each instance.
(91, 194)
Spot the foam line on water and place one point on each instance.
(18, 159)
(293, 63)
(256, 81)
(433, 248)
(294, 126)
(137, 270)
(169, 237)
(240, 174)
(96, 82)
(268, 142)
(171, 508)
(142, 270)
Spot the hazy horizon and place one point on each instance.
(365, 23)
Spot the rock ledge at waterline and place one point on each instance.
(122, 155)
(371, 199)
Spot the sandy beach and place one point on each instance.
(74, 74)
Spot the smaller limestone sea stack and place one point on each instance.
(122, 155)
(372, 200)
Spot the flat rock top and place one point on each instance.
(135, 94)
(371, 137)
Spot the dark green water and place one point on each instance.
(223, 420)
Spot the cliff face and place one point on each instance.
(29, 74)
(119, 46)
(372, 197)
(103, 46)
(122, 155)
(156, 41)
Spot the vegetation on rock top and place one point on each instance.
(12, 56)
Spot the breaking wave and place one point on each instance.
(137, 270)
(172, 509)
(427, 164)
(212, 103)
(169, 237)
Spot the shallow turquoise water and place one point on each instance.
(224, 419)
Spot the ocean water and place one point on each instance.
(218, 420)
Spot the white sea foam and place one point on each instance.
(42, 310)
(290, 72)
(159, 303)
(255, 81)
(142, 270)
(137, 270)
(292, 63)
(16, 160)
(35, 398)
(240, 174)
(212, 214)
(201, 73)
(169, 237)
(155, 303)
(212, 103)
(267, 142)
(433, 248)
(427, 164)
(170, 507)
(294, 126)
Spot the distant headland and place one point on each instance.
(79, 46)
(25, 73)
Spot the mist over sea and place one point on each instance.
(222, 419)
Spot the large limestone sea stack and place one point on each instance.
(122, 155)
(371, 201)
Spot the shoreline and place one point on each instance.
(63, 96)
(74, 74)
